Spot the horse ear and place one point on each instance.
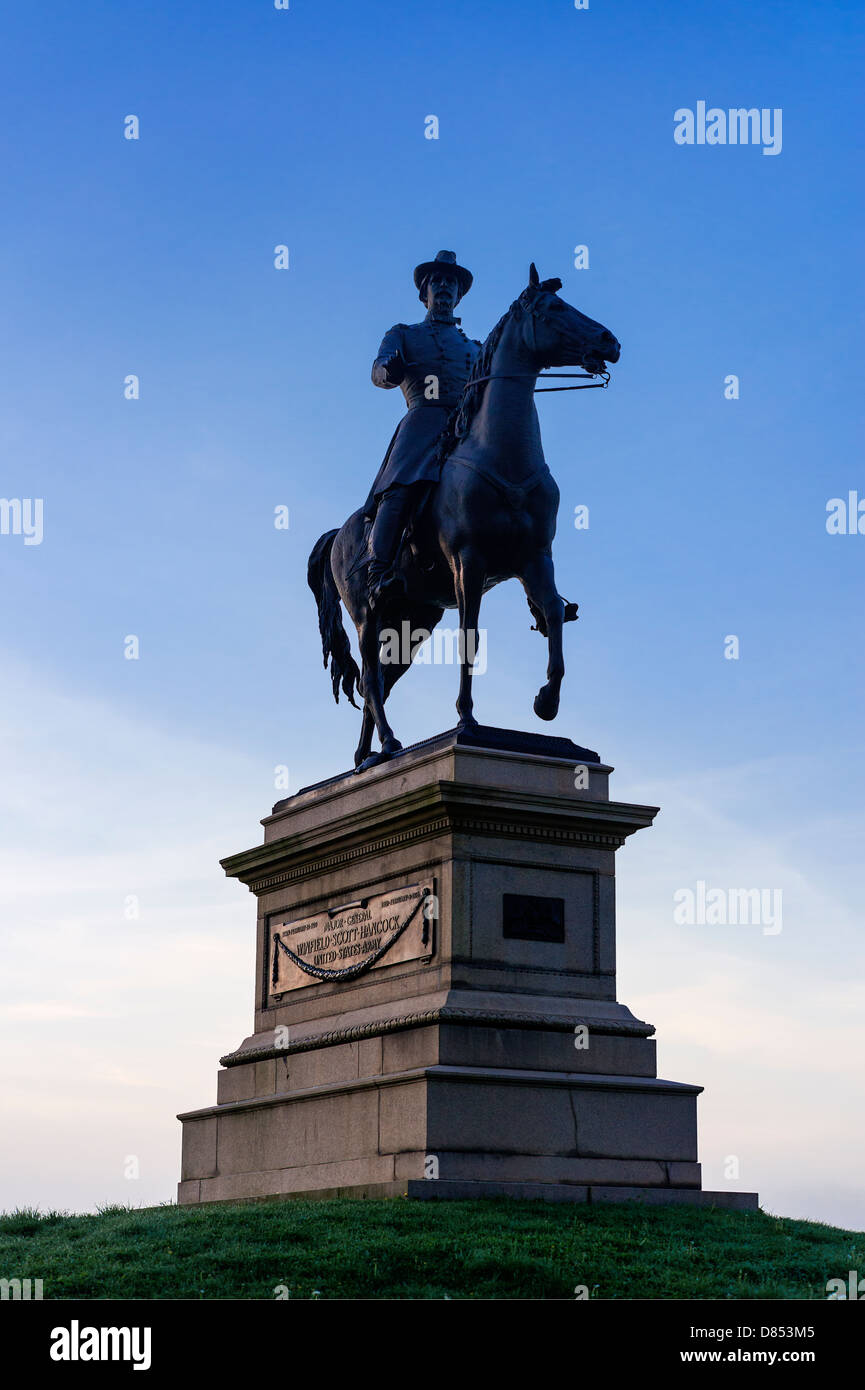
(534, 278)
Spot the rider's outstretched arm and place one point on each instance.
(388, 369)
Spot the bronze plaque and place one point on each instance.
(527, 918)
(343, 942)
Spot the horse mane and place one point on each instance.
(459, 421)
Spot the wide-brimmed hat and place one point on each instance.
(443, 258)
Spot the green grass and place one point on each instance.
(403, 1249)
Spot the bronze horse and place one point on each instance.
(491, 517)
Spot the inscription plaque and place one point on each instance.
(342, 942)
(532, 919)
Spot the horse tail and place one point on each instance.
(334, 639)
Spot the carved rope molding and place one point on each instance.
(558, 1023)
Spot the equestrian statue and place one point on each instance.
(464, 498)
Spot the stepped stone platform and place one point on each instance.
(435, 994)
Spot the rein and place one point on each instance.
(544, 376)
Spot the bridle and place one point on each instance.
(516, 494)
(588, 377)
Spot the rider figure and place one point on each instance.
(431, 361)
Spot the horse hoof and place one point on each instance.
(389, 749)
(372, 761)
(546, 704)
(468, 726)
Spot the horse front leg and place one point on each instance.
(539, 583)
(469, 585)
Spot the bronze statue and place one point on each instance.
(489, 514)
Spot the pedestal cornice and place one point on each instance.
(439, 808)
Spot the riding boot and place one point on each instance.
(384, 538)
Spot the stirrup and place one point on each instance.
(386, 589)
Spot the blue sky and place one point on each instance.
(707, 516)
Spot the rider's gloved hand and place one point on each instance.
(389, 371)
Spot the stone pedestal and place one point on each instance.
(435, 991)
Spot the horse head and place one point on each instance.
(558, 334)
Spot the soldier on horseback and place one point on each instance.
(431, 361)
(490, 517)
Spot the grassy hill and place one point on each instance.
(424, 1250)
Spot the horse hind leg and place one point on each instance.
(390, 675)
(374, 696)
(544, 599)
(364, 746)
(394, 661)
(421, 621)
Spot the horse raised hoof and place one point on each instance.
(546, 704)
(570, 614)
